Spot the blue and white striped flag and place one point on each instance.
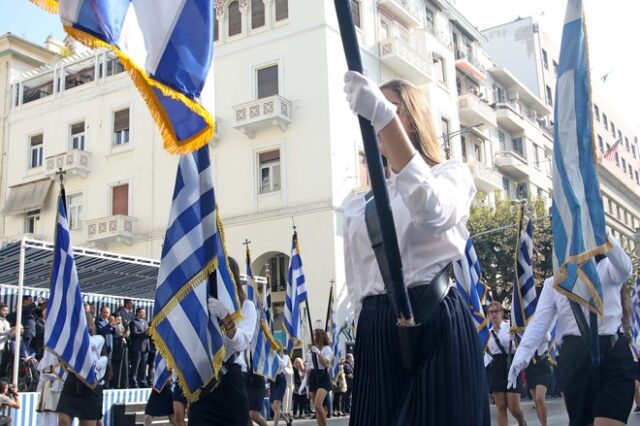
(187, 338)
(525, 299)
(473, 291)
(167, 48)
(266, 305)
(296, 294)
(335, 338)
(577, 213)
(553, 344)
(161, 374)
(66, 332)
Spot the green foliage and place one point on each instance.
(496, 249)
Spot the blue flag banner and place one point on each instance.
(524, 301)
(553, 345)
(186, 336)
(167, 48)
(66, 333)
(161, 374)
(577, 213)
(296, 294)
(473, 291)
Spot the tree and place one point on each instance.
(496, 249)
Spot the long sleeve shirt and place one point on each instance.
(430, 209)
(613, 270)
(245, 329)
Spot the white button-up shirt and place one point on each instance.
(614, 270)
(245, 329)
(430, 209)
(504, 335)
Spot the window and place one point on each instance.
(549, 96)
(536, 153)
(278, 273)
(121, 127)
(518, 145)
(235, 18)
(74, 211)
(430, 21)
(633, 150)
(114, 66)
(464, 148)
(441, 69)
(77, 136)
(444, 123)
(257, 14)
(120, 200)
(267, 81)
(626, 142)
(31, 222)
(545, 59)
(216, 24)
(355, 10)
(596, 112)
(624, 165)
(605, 121)
(522, 191)
(478, 152)
(613, 129)
(630, 171)
(282, 10)
(555, 68)
(502, 138)
(363, 170)
(600, 143)
(269, 168)
(35, 150)
(637, 177)
(617, 160)
(506, 187)
(499, 94)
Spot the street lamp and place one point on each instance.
(446, 137)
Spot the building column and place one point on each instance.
(246, 22)
(268, 13)
(220, 20)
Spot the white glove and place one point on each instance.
(217, 308)
(366, 100)
(315, 350)
(517, 366)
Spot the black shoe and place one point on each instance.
(637, 409)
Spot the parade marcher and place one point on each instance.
(287, 402)
(159, 404)
(50, 385)
(599, 395)
(319, 381)
(348, 374)
(140, 346)
(430, 200)
(77, 400)
(278, 390)
(180, 405)
(501, 349)
(538, 374)
(225, 402)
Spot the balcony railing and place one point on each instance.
(508, 118)
(272, 111)
(512, 162)
(406, 54)
(110, 229)
(473, 110)
(74, 162)
(469, 65)
(405, 11)
(486, 179)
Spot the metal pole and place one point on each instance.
(16, 354)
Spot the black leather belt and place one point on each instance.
(426, 297)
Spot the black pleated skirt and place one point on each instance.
(448, 388)
(160, 404)
(78, 400)
(226, 405)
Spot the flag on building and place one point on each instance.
(473, 291)
(610, 154)
(296, 294)
(577, 213)
(167, 49)
(525, 299)
(161, 373)
(186, 336)
(66, 332)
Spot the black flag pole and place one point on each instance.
(398, 292)
(329, 308)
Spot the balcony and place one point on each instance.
(469, 65)
(110, 229)
(407, 55)
(473, 110)
(272, 111)
(508, 118)
(512, 162)
(74, 162)
(485, 178)
(405, 11)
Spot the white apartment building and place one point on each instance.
(523, 48)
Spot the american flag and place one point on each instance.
(610, 154)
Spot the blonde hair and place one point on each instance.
(497, 304)
(421, 129)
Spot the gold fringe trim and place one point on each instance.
(50, 6)
(267, 333)
(68, 368)
(144, 84)
(237, 315)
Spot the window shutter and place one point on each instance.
(267, 81)
(120, 200)
(257, 14)
(121, 120)
(77, 128)
(235, 19)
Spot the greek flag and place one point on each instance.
(635, 319)
(161, 374)
(266, 305)
(66, 333)
(525, 299)
(264, 350)
(553, 345)
(577, 213)
(335, 338)
(166, 47)
(473, 291)
(296, 294)
(187, 338)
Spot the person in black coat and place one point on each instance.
(349, 375)
(140, 346)
(106, 330)
(29, 319)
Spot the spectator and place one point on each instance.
(38, 341)
(126, 312)
(4, 327)
(28, 320)
(120, 354)
(139, 328)
(299, 394)
(105, 329)
(339, 389)
(8, 398)
(349, 376)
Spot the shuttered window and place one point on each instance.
(257, 13)
(120, 200)
(267, 81)
(282, 10)
(235, 18)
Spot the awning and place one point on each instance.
(27, 197)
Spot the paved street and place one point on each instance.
(557, 416)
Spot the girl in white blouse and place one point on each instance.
(430, 200)
(319, 360)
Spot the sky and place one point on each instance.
(610, 24)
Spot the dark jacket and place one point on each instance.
(139, 338)
(29, 319)
(107, 331)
